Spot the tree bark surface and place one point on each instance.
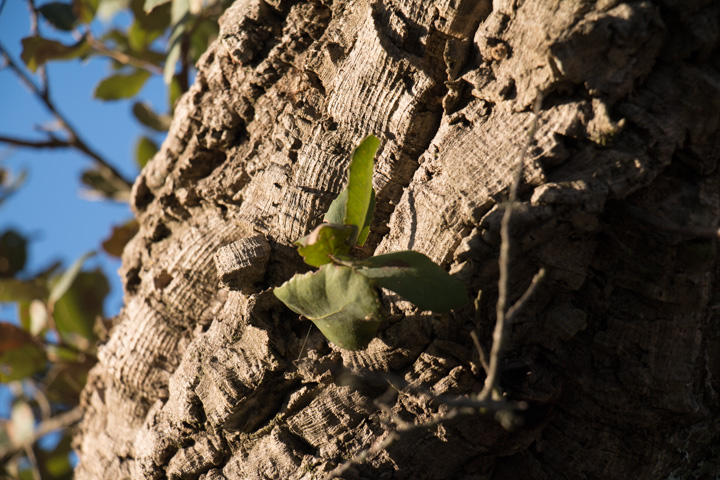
(617, 356)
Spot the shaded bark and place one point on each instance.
(617, 356)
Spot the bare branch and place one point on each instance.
(518, 306)
(501, 322)
(35, 31)
(74, 138)
(58, 422)
(53, 143)
(481, 352)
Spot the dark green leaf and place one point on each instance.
(37, 51)
(105, 185)
(144, 151)
(59, 14)
(67, 375)
(85, 9)
(20, 356)
(338, 300)
(145, 115)
(14, 290)
(55, 463)
(140, 39)
(13, 253)
(202, 35)
(416, 278)
(119, 237)
(156, 20)
(116, 87)
(151, 4)
(360, 186)
(75, 313)
(325, 242)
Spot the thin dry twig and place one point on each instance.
(501, 323)
(74, 140)
(481, 352)
(483, 403)
(21, 142)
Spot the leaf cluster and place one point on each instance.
(45, 355)
(341, 298)
(45, 359)
(165, 37)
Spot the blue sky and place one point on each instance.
(50, 208)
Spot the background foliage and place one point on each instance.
(47, 351)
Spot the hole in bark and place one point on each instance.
(162, 280)
(143, 196)
(132, 279)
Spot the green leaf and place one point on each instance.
(145, 149)
(338, 300)
(85, 9)
(14, 290)
(104, 184)
(368, 220)
(56, 462)
(151, 4)
(325, 242)
(180, 17)
(13, 253)
(20, 356)
(205, 32)
(158, 19)
(116, 87)
(60, 15)
(37, 51)
(174, 92)
(336, 212)
(75, 313)
(416, 278)
(139, 39)
(360, 186)
(66, 279)
(145, 115)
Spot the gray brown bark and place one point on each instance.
(617, 356)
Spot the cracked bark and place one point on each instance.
(618, 355)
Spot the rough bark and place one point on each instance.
(617, 356)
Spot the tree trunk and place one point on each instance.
(616, 357)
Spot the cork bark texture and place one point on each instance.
(207, 376)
